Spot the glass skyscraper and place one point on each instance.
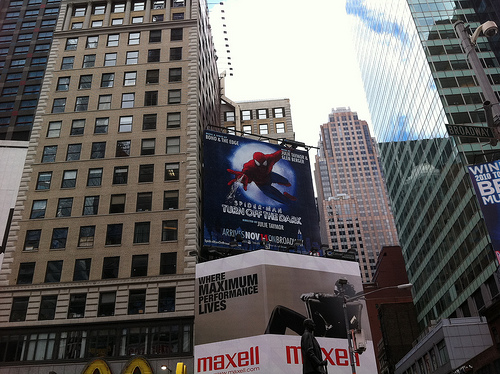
(417, 80)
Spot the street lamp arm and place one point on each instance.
(360, 295)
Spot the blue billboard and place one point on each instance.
(486, 180)
(257, 195)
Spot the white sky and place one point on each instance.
(300, 50)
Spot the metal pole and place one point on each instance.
(481, 76)
(349, 340)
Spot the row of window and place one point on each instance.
(24, 49)
(123, 149)
(106, 306)
(16, 14)
(110, 268)
(129, 79)
(264, 128)
(30, 24)
(101, 125)
(17, 3)
(119, 7)
(134, 38)
(151, 98)
(247, 115)
(114, 232)
(166, 338)
(27, 37)
(110, 59)
(144, 200)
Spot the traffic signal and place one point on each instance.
(181, 368)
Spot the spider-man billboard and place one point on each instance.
(257, 196)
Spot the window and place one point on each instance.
(166, 300)
(138, 5)
(279, 112)
(19, 309)
(24, 37)
(110, 267)
(69, 179)
(67, 63)
(117, 204)
(128, 100)
(159, 4)
(155, 36)
(132, 58)
(97, 23)
(6, 106)
(178, 3)
(120, 175)
(82, 269)
(113, 40)
(77, 127)
(119, 8)
(141, 235)
(53, 271)
(13, 77)
(229, 116)
(17, 63)
(101, 125)
(71, 44)
(17, 51)
(54, 129)
(280, 127)
(64, 207)
(136, 301)
(49, 153)
(59, 236)
(106, 304)
(25, 274)
(86, 237)
(28, 25)
(104, 102)
(38, 209)
(43, 181)
(107, 80)
(74, 151)
(134, 38)
(144, 201)
(63, 84)
(110, 59)
(32, 240)
(90, 205)
(170, 200)
(149, 122)
(151, 98)
(48, 23)
(82, 104)
(169, 230)
(98, 150)
(85, 82)
(153, 76)
(146, 173)
(176, 54)
(94, 178)
(24, 120)
(79, 11)
(139, 19)
(99, 9)
(125, 124)
(92, 42)
(114, 234)
(88, 61)
(263, 129)
(59, 105)
(173, 145)
(117, 21)
(154, 55)
(76, 25)
(9, 91)
(147, 147)
(47, 309)
(175, 34)
(168, 263)
(76, 307)
(261, 113)
(175, 74)
(122, 148)
(130, 78)
(174, 96)
(28, 104)
(171, 172)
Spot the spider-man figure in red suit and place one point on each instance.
(259, 171)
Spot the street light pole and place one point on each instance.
(491, 105)
(345, 300)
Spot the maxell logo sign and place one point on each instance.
(229, 361)
(335, 357)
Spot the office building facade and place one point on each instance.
(101, 254)
(352, 199)
(417, 79)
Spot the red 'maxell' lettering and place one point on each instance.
(231, 362)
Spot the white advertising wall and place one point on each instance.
(251, 308)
